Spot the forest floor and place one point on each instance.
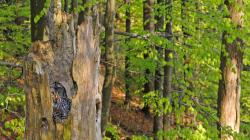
(129, 119)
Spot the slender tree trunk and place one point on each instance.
(127, 61)
(37, 28)
(109, 62)
(84, 12)
(148, 21)
(184, 28)
(168, 118)
(159, 74)
(148, 15)
(184, 16)
(229, 85)
(66, 6)
(74, 6)
(75, 73)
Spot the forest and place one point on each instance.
(124, 69)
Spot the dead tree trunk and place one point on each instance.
(229, 85)
(61, 80)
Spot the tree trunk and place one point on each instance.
(74, 6)
(66, 6)
(159, 74)
(37, 28)
(109, 62)
(229, 85)
(148, 22)
(61, 80)
(127, 61)
(168, 118)
(185, 17)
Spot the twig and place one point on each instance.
(132, 35)
(145, 36)
(10, 64)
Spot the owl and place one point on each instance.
(61, 103)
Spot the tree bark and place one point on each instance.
(159, 74)
(185, 17)
(37, 29)
(77, 72)
(127, 61)
(148, 15)
(109, 62)
(74, 6)
(148, 22)
(66, 6)
(229, 85)
(168, 118)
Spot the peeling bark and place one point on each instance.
(229, 86)
(229, 89)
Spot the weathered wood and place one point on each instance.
(85, 73)
(71, 59)
(39, 123)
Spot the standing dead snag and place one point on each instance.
(61, 80)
